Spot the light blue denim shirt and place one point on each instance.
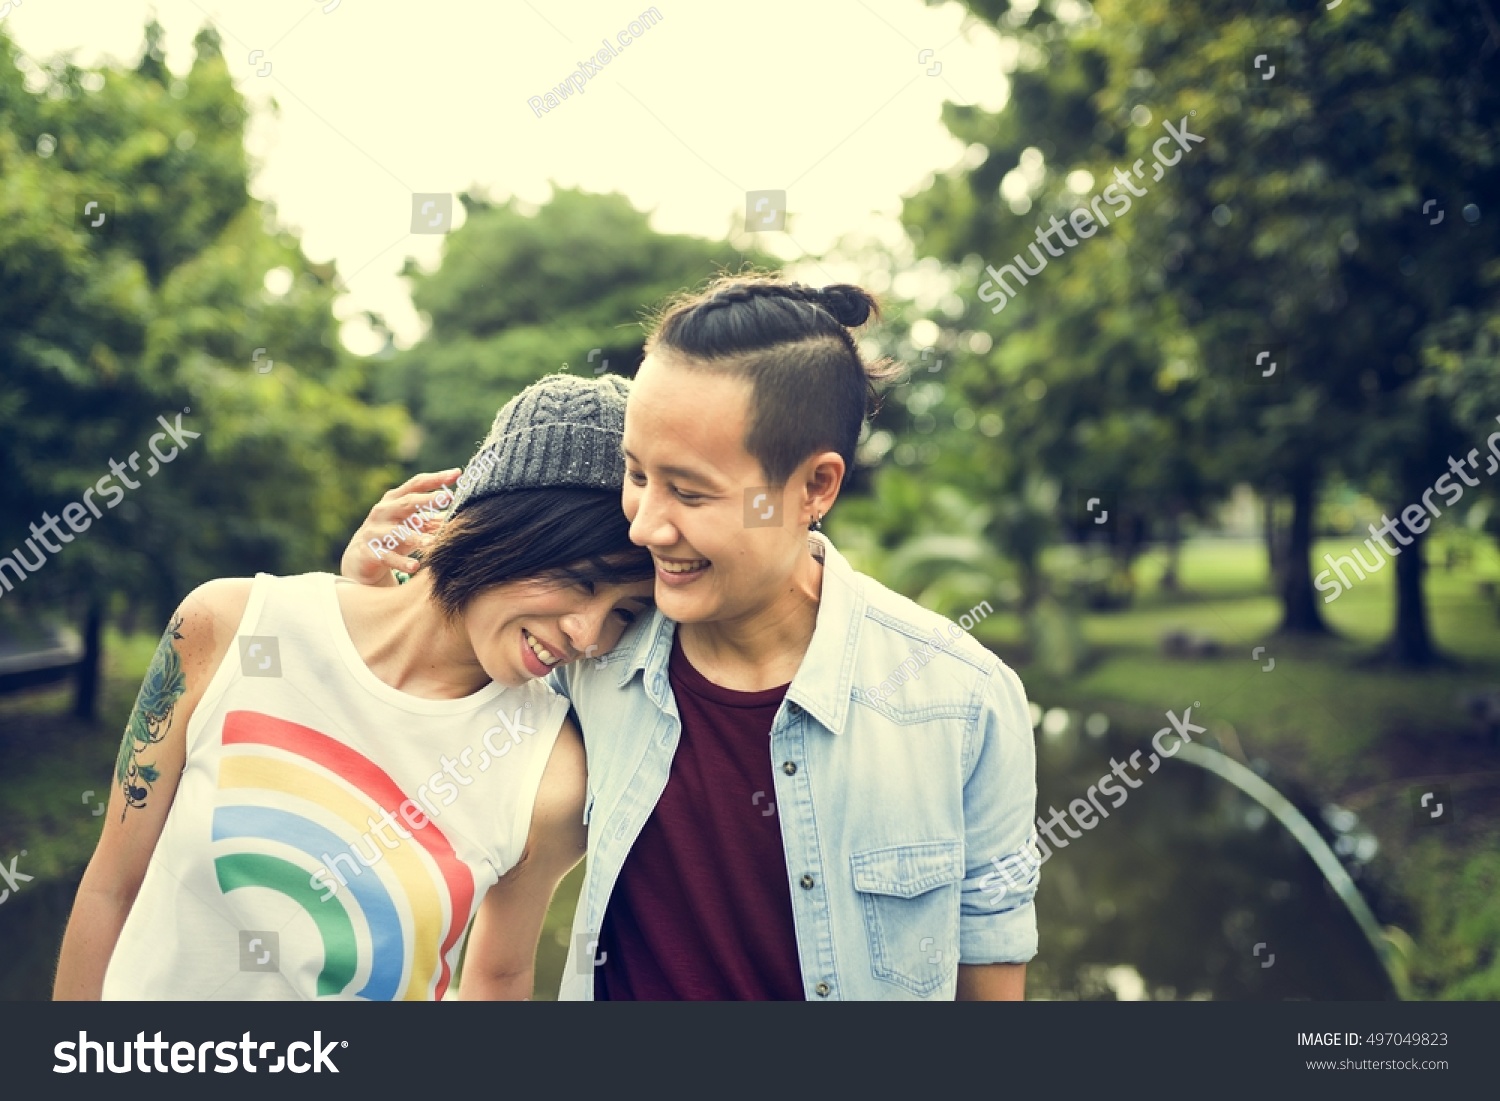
(895, 803)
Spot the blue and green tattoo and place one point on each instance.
(154, 706)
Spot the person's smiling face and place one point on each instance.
(524, 629)
(687, 474)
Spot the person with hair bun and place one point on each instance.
(799, 780)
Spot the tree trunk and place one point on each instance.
(1410, 643)
(1031, 583)
(1170, 582)
(86, 682)
(1273, 538)
(1300, 613)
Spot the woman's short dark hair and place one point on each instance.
(528, 534)
(811, 388)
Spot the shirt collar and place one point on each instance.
(649, 656)
(822, 683)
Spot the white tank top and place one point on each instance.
(331, 836)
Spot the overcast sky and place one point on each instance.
(378, 99)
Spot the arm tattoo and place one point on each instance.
(160, 691)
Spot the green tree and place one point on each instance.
(1328, 176)
(1296, 225)
(162, 309)
(520, 293)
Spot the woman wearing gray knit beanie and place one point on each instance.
(379, 758)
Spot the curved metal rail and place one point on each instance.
(1312, 842)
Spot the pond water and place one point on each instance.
(1167, 898)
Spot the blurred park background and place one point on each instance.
(1102, 456)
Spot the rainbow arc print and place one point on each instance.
(290, 797)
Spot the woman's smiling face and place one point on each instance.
(724, 542)
(524, 629)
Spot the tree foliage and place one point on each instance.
(154, 303)
(523, 292)
(1300, 225)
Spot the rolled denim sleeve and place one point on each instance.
(997, 918)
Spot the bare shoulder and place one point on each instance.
(224, 598)
(207, 619)
(197, 637)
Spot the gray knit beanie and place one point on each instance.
(562, 432)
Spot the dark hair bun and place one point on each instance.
(848, 303)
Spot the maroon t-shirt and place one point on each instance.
(702, 908)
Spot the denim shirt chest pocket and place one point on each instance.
(910, 895)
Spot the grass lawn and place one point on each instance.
(52, 759)
(1320, 698)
